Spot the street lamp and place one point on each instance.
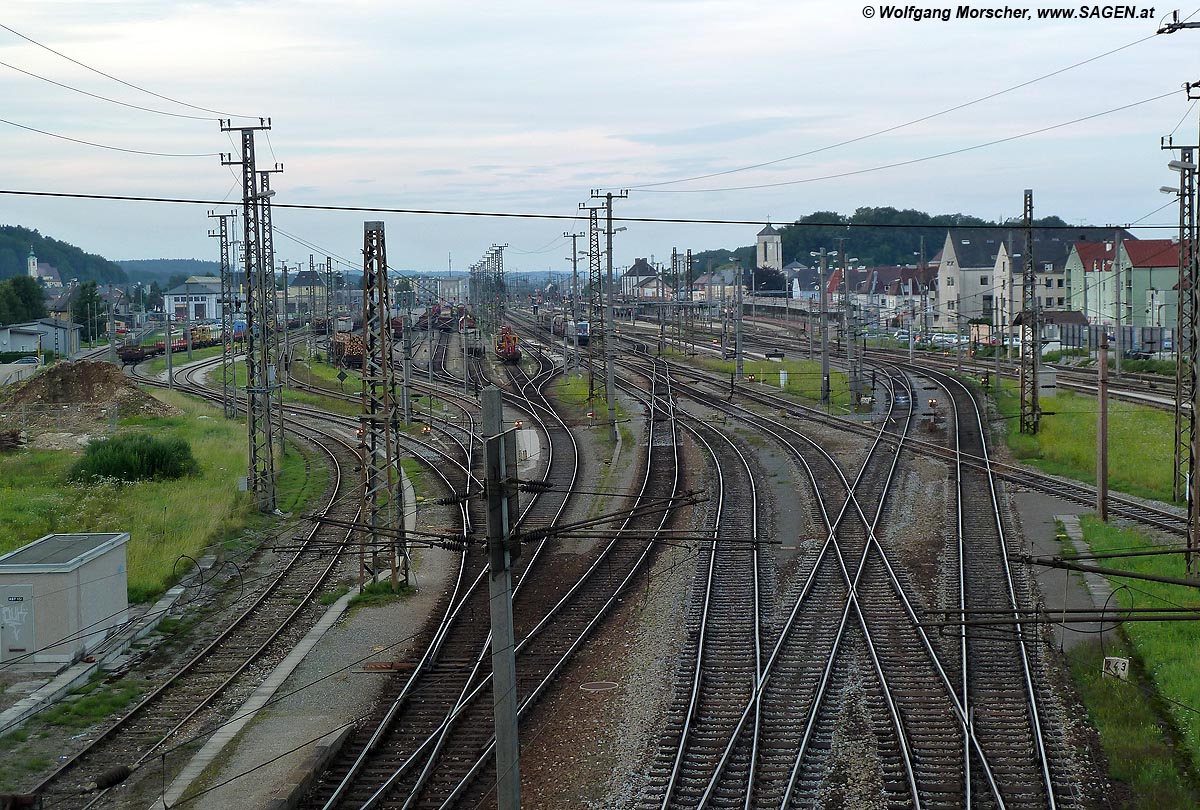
(823, 254)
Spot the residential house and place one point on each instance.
(59, 337)
(635, 277)
(1149, 270)
(306, 294)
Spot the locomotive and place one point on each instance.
(506, 345)
(565, 327)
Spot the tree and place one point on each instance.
(154, 298)
(768, 278)
(88, 310)
(29, 293)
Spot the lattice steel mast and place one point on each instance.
(382, 493)
(597, 325)
(328, 307)
(277, 375)
(228, 308)
(259, 337)
(1031, 413)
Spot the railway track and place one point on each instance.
(269, 620)
(881, 672)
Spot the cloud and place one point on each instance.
(720, 132)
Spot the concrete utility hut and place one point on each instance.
(60, 595)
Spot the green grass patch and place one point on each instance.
(1163, 651)
(136, 457)
(376, 594)
(1140, 754)
(797, 378)
(157, 365)
(1140, 437)
(165, 519)
(329, 597)
(93, 705)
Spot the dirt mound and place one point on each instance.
(86, 382)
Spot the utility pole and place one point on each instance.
(1185, 324)
(1031, 413)
(598, 325)
(328, 307)
(824, 335)
(279, 344)
(1102, 430)
(574, 237)
(737, 338)
(609, 386)
(924, 282)
(261, 467)
(382, 496)
(286, 371)
(502, 511)
(1119, 308)
(112, 328)
(848, 328)
(167, 344)
(958, 332)
(228, 378)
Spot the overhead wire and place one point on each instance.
(131, 85)
(894, 128)
(75, 195)
(911, 161)
(105, 98)
(108, 146)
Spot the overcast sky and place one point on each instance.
(526, 106)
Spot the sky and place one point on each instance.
(526, 107)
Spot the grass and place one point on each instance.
(159, 364)
(92, 704)
(1140, 722)
(165, 519)
(1139, 437)
(798, 378)
(329, 597)
(376, 594)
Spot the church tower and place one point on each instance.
(769, 251)
(31, 264)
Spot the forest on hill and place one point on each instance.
(70, 261)
(874, 236)
(162, 270)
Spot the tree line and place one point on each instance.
(873, 236)
(70, 261)
(21, 301)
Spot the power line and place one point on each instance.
(75, 195)
(106, 98)
(910, 162)
(119, 81)
(915, 121)
(106, 146)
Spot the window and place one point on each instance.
(1060, 301)
(950, 305)
(1049, 283)
(1060, 283)
(949, 281)
(983, 280)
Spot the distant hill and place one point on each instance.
(161, 270)
(70, 261)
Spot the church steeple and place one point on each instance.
(31, 264)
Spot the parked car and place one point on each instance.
(32, 360)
